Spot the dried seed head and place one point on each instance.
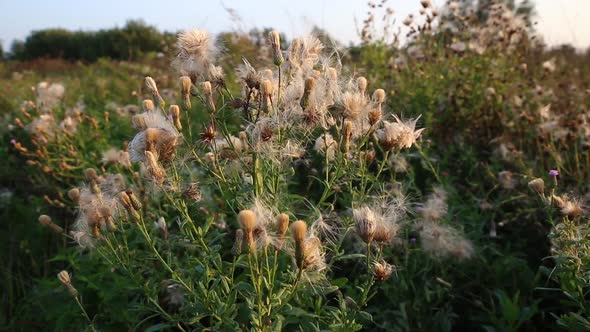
(282, 224)
(47, 222)
(366, 223)
(274, 39)
(361, 84)
(538, 186)
(208, 92)
(347, 133)
(309, 85)
(153, 88)
(185, 89)
(379, 96)
(175, 113)
(382, 270)
(128, 205)
(156, 172)
(299, 232)
(247, 220)
(64, 278)
(148, 105)
(332, 74)
(74, 195)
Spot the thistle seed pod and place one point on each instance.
(247, 220)
(185, 89)
(175, 113)
(299, 232)
(153, 88)
(148, 105)
(274, 39)
(74, 195)
(282, 225)
(361, 84)
(47, 222)
(538, 186)
(309, 85)
(107, 215)
(126, 202)
(208, 92)
(65, 279)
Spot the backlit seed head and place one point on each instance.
(74, 195)
(64, 278)
(361, 84)
(382, 270)
(175, 113)
(379, 96)
(282, 224)
(299, 231)
(148, 105)
(274, 39)
(247, 220)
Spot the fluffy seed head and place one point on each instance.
(382, 270)
(148, 105)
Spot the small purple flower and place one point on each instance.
(13, 141)
(412, 240)
(553, 173)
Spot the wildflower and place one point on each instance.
(191, 191)
(553, 173)
(382, 270)
(398, 134)
(549, 65)
(66, 280)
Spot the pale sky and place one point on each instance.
(559, 21)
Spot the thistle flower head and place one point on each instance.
(399, 134)
(274, 39)
(196, 51)
(382, 270)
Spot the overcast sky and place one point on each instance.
(559, 21)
